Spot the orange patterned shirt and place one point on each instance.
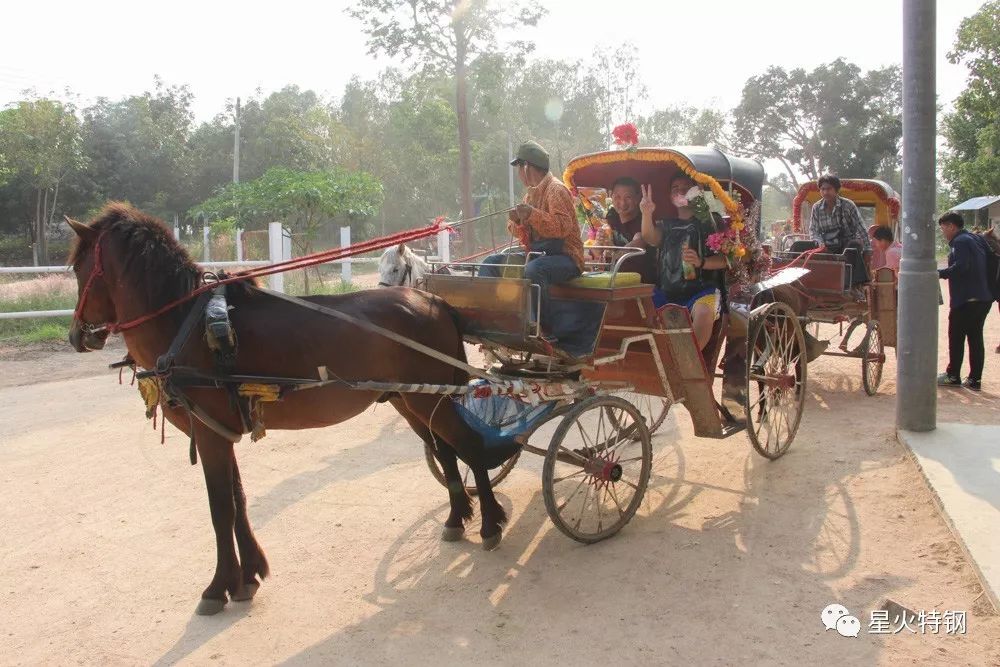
(554, 217)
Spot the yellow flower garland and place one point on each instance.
(659, 155)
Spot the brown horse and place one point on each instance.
(128, 265)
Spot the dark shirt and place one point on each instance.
(622, 234)
(677, 235)
(966, 270)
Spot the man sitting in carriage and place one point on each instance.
(835, 223)
(544, 223)
(690, 274)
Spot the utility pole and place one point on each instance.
(510, 172)
(236, 145)
(916, 388)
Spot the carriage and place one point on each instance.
(826, 287)
(613, 391)
(223, 357)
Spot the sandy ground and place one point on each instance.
(107, 542)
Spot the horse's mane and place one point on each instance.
(152, 256)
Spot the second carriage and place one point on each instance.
(826, 289)
(635, 362)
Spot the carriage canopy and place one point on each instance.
(865, 192)
(709, 167)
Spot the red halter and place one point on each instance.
(96, 272)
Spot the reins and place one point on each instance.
(304, 262)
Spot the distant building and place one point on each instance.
(985, 210)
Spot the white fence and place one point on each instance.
(279, 249)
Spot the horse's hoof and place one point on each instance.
(246, 592)
(452, 533)
(492, 542)
(209, 607)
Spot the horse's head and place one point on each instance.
(399, 266)
(95, 309)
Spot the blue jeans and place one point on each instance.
(542, 271)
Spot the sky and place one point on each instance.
(224, 49)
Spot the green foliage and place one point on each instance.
(139, 148)
(972, 130)
(683, 126)
(303, 200)
(834, 118)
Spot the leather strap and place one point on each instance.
(381, 331)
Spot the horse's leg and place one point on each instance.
(252, 557)
(461, 504)
(440, 416)
(217, 462)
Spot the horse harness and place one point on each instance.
(168, 380)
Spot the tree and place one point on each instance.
(617, 86)
(304, 200)
(444, 36)
(834, 118)
(676, 125)
(138, 148)
(972, 163)
(40, 143)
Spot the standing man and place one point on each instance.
(544, 223)
(835, 222)
(970, 301)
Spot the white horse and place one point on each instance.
(400, 266)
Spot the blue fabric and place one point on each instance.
(660, 299)
(966, 270)
(498, 420)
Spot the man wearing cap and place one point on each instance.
(545, 222)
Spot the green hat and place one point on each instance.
(532, 153)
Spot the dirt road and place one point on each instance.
(107, 543)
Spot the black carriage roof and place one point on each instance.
(600, 169)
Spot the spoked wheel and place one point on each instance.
(776, 381)
(653, 409)
(496, 476)
(872, 359)
(597, 468)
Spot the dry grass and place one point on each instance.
(51, 286)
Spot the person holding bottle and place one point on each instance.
(690, 274)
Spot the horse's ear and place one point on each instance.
(82, 230)
(401, 249)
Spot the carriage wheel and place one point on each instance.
(496, 476)
(597, 468)
(776, 380)
(872, 359)
(653, 409)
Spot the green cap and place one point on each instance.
(532, 153)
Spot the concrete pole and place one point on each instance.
(916, 349)
(239, 244)
(236, 145)
(206, 242)
(345, 266)
(510, 170)
(275, 254)
(444, 246)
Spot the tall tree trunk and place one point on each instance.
(464, 146)
(43, 245)
(34, 226)
(791, 172)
